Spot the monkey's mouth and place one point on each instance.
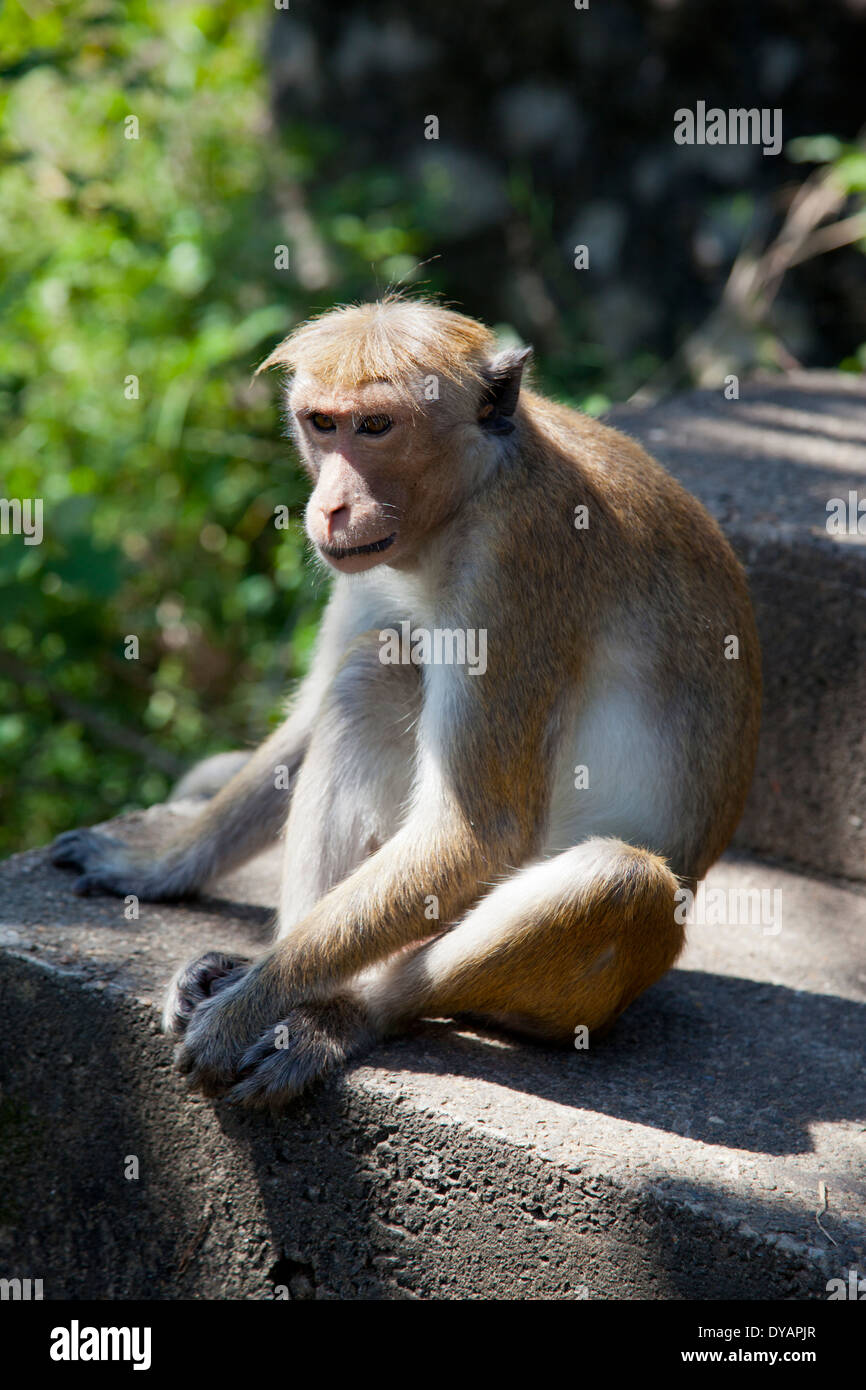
(336, 552)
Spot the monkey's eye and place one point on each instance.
(375, 424)
(321, 422)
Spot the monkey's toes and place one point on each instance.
(80, 849)
(198, 980)
(102, 860)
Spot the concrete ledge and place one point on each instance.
(680, 1158)
(766, 466)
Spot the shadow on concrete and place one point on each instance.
(693, 1254)
(726, 1061)
(337, 1197)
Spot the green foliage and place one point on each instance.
(150, 258)
(848, 161)
(139, 287)
(139, 290)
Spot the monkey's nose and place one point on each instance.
(336, 520)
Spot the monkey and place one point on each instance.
(505, 844)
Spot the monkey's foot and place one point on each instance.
(313, 1039)
(110, 866)
(107, 865)
(196, 981)
(98, 856)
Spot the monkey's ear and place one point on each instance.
(499, 397)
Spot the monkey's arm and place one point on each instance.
(477, 811)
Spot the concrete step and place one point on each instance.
(765, 466)
(713, 1146)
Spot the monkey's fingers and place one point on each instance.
(196, 981)
(208, 1077)
(216, 1035)
(312, 1041)
(203, 1065)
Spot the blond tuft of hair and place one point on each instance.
(394, 339)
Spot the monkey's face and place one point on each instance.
(371, 460)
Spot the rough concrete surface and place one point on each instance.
(766, 466)
(681, 1157)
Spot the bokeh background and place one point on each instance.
(260, 128)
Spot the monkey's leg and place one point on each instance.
(209, 776)
(247, 813)
(567, 942)
(242, 819)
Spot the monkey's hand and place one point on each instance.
(313, 1039)
(228, 1047)
(109, 866)
(225, 1023)
(199, 980)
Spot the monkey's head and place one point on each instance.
(398, 410)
